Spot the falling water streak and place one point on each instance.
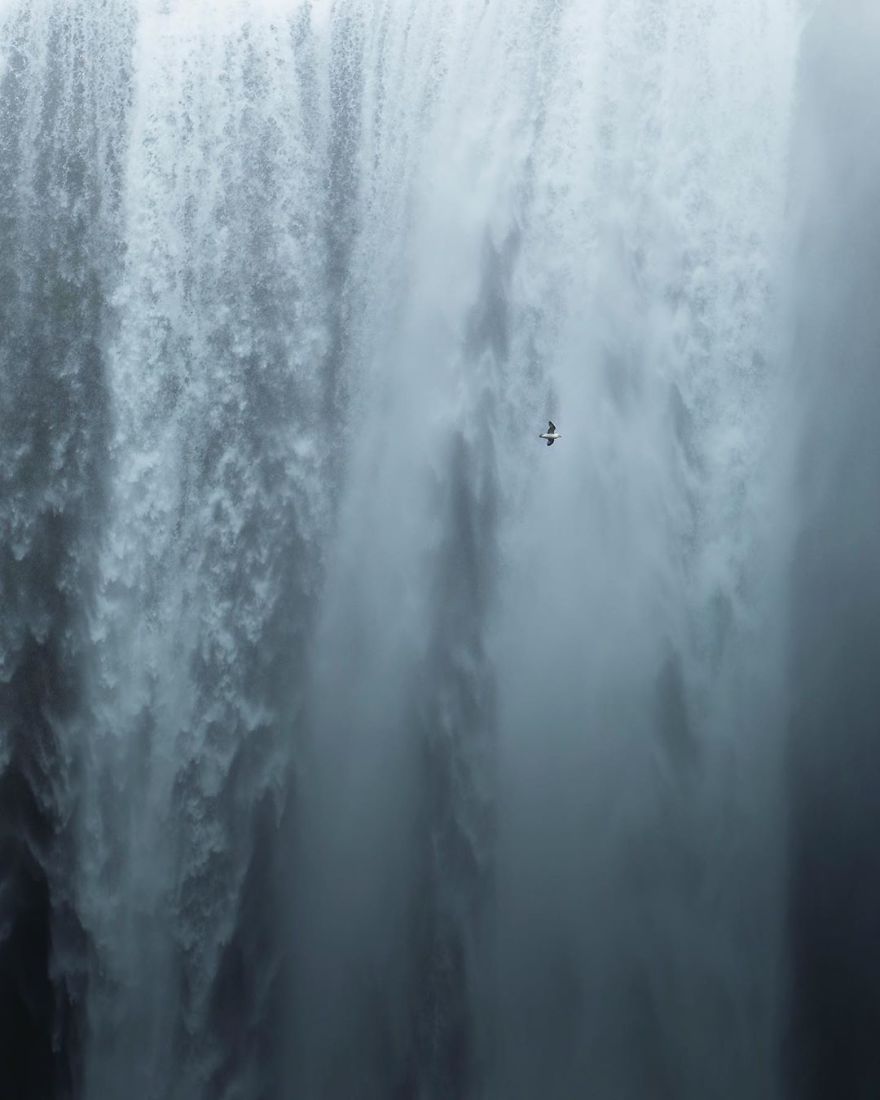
(209, 562)
(62, 151)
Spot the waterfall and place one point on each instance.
(353, 744)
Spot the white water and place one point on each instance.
(415, 758)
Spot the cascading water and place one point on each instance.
(352, 743)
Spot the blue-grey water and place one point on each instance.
(353, 744)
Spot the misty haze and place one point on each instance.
(355, 742)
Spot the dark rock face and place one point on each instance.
(834, 735)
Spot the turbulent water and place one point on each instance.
(353, 744)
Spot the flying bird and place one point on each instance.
(551, 435)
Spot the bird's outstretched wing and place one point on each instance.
(552, 427)
(550, 442)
